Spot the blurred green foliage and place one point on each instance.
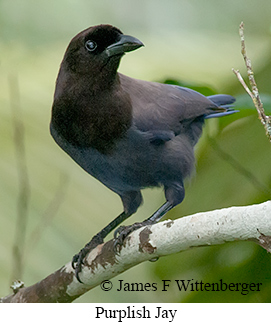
(193, 42)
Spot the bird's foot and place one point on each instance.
(78, 259)
(122, 233)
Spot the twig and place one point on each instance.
(23, 179)
(209, 228)
(254, 92)
(48, 214)
(258, 185)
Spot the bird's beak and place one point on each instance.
(125, 44)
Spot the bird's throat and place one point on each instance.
(92, 119)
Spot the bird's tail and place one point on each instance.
(224, 102)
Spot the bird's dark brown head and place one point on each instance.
(96, 47)
(89, 110)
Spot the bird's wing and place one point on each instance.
(163, 110)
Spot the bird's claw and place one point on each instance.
(119, 236)
(78, 262)
(121, 233)
(78, 259)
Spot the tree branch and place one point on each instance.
(202, 229)
(254, 93)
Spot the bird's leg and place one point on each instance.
(122, 232)
(157, 216)
(78, 259)
(174, 192)
(131, 201)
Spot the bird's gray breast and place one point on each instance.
(135, 163)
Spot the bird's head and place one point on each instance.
(97, 47)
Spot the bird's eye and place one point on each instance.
(90, 45)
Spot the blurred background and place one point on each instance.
(50, 207)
